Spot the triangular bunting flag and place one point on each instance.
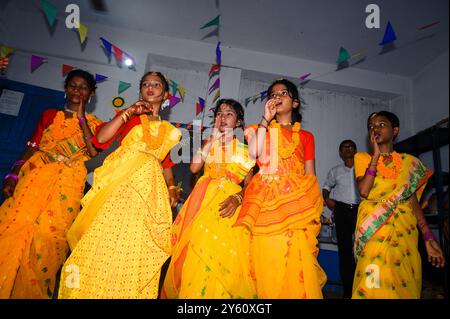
(182, 90)
(214, 68)
(218, 54)
(247, 100)
(216, 96)
(304, 76)
(389, 35)
(263, 95)
(357, 54)
(255, 98)
(5, 51)
(214, 21)
(82, 32)
(100, 78)
(49, 11)
(173, 101)
(36, 61)
(123, 86)
(66, 69)
(174, 87)
(214, 86)
(343, 55)
(118, 53)
(107, 46)
(200, 106)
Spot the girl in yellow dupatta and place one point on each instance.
(386, 235)
(282, 204)
(43, 194)
(121, 238)
(209, 258)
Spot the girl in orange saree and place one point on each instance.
(282, 204)
(386, 236)
(43, 195)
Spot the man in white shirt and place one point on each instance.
(343, 201)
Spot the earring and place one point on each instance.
(65, 96)
(165, 104)
(89, 101)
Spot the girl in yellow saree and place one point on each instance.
(209, 255)
(386, 236)
(43, 195)
(121, 238)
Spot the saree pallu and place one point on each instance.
(34, 221)
(386, 236)
(282, 207)
(121, 238)
(210, 257)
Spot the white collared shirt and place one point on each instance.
(341, 184)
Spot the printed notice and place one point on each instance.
(10, 102)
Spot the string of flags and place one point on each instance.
(344, 58)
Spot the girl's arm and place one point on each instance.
(174, 192)
(10, 181)
(228, 207)
(365, 182)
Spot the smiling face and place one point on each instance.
(227, 117)
(76, 88)
(381, 127)
(284, 102)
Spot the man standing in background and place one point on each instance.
(344, 202)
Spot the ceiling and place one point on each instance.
(307, 29)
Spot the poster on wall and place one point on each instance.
(10, 102)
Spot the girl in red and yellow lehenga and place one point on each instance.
(43, 195)
(282, 204)
(208, 258)
(391, 184)
(121, 238)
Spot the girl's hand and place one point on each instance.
(435, 254)
(4, 63)
(374, 145)
(174, 195)
(8, 188)
(216, 134)
(140, 107)
(81, 107)
(270, 109)
(228, 207)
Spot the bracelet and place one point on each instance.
(429, 236)
(32, 144)
(260, 125)
(11, 176)
(81, 119)
(371, 172)
(265, 119)
(173, 187)
(125, 116)
(238, 197)
(17, 163)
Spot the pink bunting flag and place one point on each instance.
(36, 61)
(304, 76)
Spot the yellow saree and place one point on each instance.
(388, 261)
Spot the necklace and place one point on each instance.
(390, 166)
(69, 110)
(286, 148)
(153, 142)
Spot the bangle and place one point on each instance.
(238, 197)
(81, 119)
(173, 187)
(265, 119)
(429, 236)
(125, 116)
(17, 163)
(11, 176)
(371, 172)
(260, 125)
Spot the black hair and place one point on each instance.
(293, 93)
(237, 107)
(345, 142)
(158, 74)
(88, 77)
(395, 122)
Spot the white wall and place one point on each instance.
(431, 102)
